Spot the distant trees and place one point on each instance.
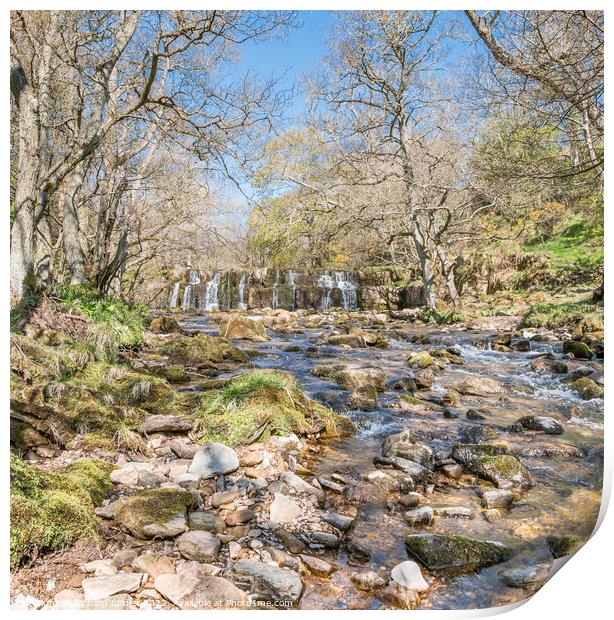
(98, 97)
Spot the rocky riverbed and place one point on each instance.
(474, 468)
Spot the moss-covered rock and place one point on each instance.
(163, 325)
(578, 349)
(468, 454)
(241, 328)
(421, 359)
(586, 388)
(457, 553)
(561, 546)
(257, 404)
(199, 350)
(356, 341)
(360, 379)
(504, 471)
(50, 510)
(155, 512)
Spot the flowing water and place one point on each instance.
(211, 300)
(564, 501)
(242, 304)
(172, 303)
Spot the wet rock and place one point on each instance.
(410, 500)
(409, 575)
(367, 581)
(420, 516)
(525, 576)
(452, 470)
(540, 423)
(561, 546)
(357, 551)
(317, 566)
(406, 384)
(268, 583)
(206, 521)
(156, 512)
(342, 522)
(200, 592)
(443, 552)
(452, 413)
(350, 340)
(137, 475)
(420, 359)
(98, 588)
(474, 414)
(578, 349)
(361, 379)
(468, 454)
(242, 328)
(166, 424)
(424, 379)
(404, 445)
(504, 471)
(399, 596)
(482, 433)
(417, 472)
(454, 512)
(479, 386)
(199, 545)
(497, 498)
(450, 398)
(214, 459)
(587, 389)
(283, 509)
(290, 541)
(239, 517)
(543, 365)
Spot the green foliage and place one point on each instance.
(448, 317)
(552, 315)
(50, 510)
(122, 322)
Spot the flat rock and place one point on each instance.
(317, 566)
(497, 498)
(284, 510)
(137, 475)
(454, 512)
(97, 588)
(420, 516)
(268, 583)
(525, 576)
(214, 459)
(166, 424)
(302, 486)
(188, 591)
(206, 521)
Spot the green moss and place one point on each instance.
(201, 349)
(269, 402)
(50, 510)
(587, 388)
(551, 315)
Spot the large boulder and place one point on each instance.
(214, 459)
(447, 552)
(188, 591)
(155, 512)
(242, 328)
(268, 583)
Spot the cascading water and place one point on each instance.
(348, 290)
(194, 276)
(211, 300)
(291, 277)
(242, 304)
(328, 284)
(174, 295)
(275, 298)
(187, 293)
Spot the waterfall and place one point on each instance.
(242, 304)
(275, 298)
(174, 294)
(186, 297)
(291, 280)
(348, 290)
(194, 276)
(328, 284)
(211, 293)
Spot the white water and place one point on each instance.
(242, 304)
(194, 276)
(186, 297)
(211, 301)
(275, 298)
(328, 284)
(174, 294)
(341, 282)
(291, 277)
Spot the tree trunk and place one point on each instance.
(72, 244)
(448, 273)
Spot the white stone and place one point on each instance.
(283, 509)
(409, 575)
(98, 588)
(214, 459)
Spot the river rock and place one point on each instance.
(357, 551)
(479, 386)
(182, 449)
(317, 566)
(98, 588)
(420, 359)
(290, 541)
(284, 510)
(367, 581)
(410, 500)
(155, 512)
(242, 328)
(492, 515)
(441, 552)
(497, 498)
(361, 379)
(409, 575)
(302, 486)
(454, 512)
(100, 568)
(166, 424)
(578, 349)
(541, 423)
(468, 454)
(152, 565)
(399, 596)
(137, 475)
(325, 538)
(420, 516)
(504, 471)
(404, 445)
(214, 459)
(223, 498)
(206, 521)
(417, 472)
(199, 545)
(239, 517)
(342, 522)
(268, 583)
(544, 365)
(188, 591)
(587, 389)
(525, 576)
(355, 341)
